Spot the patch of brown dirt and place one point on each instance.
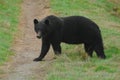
(27, 46)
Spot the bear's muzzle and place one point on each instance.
(39, 35)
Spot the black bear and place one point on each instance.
(72, 30)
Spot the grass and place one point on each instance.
(9, 14)
(74, 64)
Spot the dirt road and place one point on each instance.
(27, 46)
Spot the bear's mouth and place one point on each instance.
(39, 35)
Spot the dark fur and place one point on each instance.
(71, 30)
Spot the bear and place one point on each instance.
(54, 30)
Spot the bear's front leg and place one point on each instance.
(44, 50)
(56, 48)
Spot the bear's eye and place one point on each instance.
(36, 30)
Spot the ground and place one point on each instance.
(26, 46)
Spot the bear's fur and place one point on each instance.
(72, 30)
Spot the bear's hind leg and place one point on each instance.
(100, 51)
(88, 49)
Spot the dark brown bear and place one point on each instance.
(72, 30)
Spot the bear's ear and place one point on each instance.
(35, 21)
(47, 22)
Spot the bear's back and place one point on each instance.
(78, 29)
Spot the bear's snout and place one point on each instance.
(38, 35)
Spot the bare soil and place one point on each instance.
(27, 47)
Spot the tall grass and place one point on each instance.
(9, 17)
(73, 64)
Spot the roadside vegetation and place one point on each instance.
(74, 64)
(9, 17)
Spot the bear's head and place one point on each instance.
(47, 26)
(41, 27)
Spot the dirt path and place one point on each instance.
(27, 46)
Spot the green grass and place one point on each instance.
(9, 17)
(74, 64)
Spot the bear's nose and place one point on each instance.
(38, 37)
